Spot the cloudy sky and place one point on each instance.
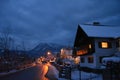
(35, 21)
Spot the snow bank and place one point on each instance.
(7, 73)
(113, 59)
(75, 75)
(52, 73)
(85, 76)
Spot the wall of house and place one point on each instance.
(99, 53)
(107, 51)
(86, 63)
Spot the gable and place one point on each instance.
(81, 37)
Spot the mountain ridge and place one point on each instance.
(42, 48)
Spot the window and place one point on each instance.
(105, 45)
(82, 52)
(90, 59)
(90, 46)
(82, 60)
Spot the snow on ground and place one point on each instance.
(75, 75)
(7, 73)
(52, 73)
(85, 76)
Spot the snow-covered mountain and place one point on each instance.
(42, 48)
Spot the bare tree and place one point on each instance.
(6, 40)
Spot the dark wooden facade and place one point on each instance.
(83, 44)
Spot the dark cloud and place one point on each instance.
(55, 21)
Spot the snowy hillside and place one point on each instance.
(42, 48)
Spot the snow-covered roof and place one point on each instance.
(101, 31)
(113, 59)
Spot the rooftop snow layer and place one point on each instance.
(101, 31)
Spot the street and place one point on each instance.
(35, 73)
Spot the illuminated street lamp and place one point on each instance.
(48, 53)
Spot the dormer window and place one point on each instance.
(104, 45)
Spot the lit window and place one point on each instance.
(105, 45)
(90, 46)
(82, 52)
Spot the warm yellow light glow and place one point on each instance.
(48, 53)
(77, 60)
(82, 52)
(90, 46)
(62, 50)
(104, 45)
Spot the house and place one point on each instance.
(95, 41)
(66, 53)
(66, 56)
